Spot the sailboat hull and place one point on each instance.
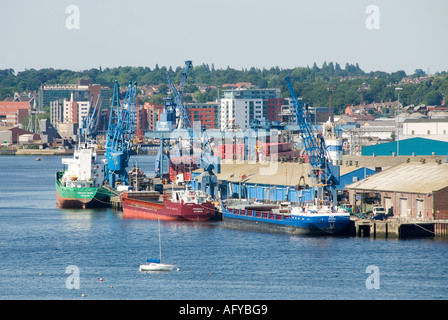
(157, 267)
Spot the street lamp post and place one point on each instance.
(397, 121)
(330, 89)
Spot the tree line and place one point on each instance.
(348, 85)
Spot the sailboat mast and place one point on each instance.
(160, 242)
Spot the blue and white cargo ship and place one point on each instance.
(308, 219)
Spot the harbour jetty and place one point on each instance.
(35, 152)
(401, 229)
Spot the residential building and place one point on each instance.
(13, 112)
(83, 90)
(153, 113)
(57, 112)
(239, 107)
(72, 103)
(73, 111)
(238, 85)
(206, 113)
(288, 113)
(24, 97)
(274, 109)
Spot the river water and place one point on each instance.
(50, 253)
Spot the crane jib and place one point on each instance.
(314, 146)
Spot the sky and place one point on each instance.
(396, 35)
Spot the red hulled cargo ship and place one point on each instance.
(187, 205)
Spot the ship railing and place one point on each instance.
(258, 214)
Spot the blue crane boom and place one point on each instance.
(174, 108)
(90, 122)
(188, 65)
(120, 134)
(184, 121)
(314, 146)
(175, 105)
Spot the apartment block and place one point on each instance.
(206, 113)
(238, 108)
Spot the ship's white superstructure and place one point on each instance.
(85, 169)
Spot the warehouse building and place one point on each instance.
(414, 190)
(273, 181)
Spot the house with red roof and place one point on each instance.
(13, 112)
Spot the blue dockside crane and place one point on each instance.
(176, 112)
(89, 127)
(183, 119)
(120, 134)
(319, 159)
(184, 126)
(174, 109)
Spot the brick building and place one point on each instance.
(153, 112)
(206, 113)
(415, 190)
(274, 109)
(13, 112)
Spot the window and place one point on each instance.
(428, 132)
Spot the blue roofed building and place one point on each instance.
(408, 147)
(273, 182)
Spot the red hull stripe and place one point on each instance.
(140, 209)
(63, 202)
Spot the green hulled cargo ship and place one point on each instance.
(80, 184)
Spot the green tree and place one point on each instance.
(419, 73)
(433, 98)
(163, 89)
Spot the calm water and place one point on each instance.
(215, 262)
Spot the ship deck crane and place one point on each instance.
(319, 159)
(120, 134)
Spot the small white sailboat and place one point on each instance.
(155, 264)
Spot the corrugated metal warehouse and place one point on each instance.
(416, 190)
(273, 181)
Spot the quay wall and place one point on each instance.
(395, 229)
(35, 152)
(7, 152)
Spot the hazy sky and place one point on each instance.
(237, 33)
